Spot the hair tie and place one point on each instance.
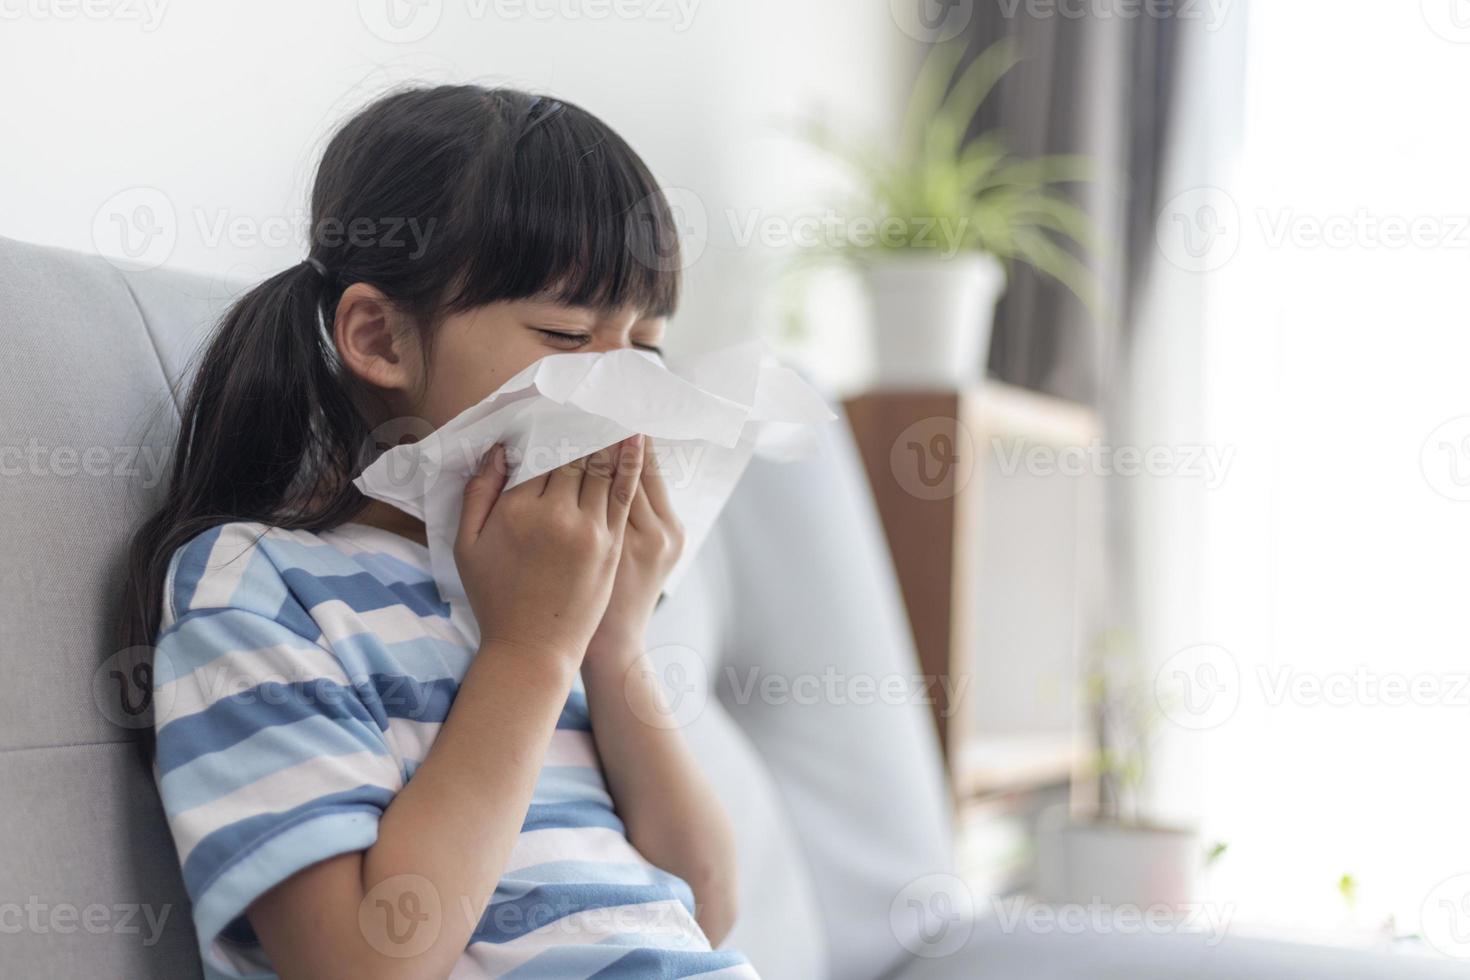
(540, 110)
(316, 265)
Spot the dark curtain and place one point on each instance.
(1096, 85)
(1100, 86)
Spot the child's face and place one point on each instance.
(475, 352)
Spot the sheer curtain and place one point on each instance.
(1309, 325)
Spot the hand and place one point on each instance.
(652, 544)
(538, 561)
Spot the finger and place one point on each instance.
(602, 466)
(625, 483)
(535, 486)
(566, 480)
(531, 486)
(481, 493)
(640, 514)
(654, 487)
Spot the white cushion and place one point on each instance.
(812, 595)
(780, 923)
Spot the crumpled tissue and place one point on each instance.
(704, 418)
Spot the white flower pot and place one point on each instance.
(1114, 865)
(932, 317)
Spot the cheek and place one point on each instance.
(464, 370)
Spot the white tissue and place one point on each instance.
(703, 420)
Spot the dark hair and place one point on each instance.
(445, 199)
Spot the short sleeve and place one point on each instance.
(268, 760)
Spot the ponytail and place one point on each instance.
(269, 432)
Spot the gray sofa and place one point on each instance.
(839, 805)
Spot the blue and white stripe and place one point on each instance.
(299, 682)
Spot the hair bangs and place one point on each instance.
(566, 210)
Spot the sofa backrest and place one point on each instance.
(89, 882)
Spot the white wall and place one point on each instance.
(218, 110)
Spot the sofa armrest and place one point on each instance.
(815, 612)
(1098, 952)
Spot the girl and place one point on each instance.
(353, 790)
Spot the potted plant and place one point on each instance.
(946, 213)
(1115, 856)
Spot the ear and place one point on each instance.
(375, 340)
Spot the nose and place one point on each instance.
(610, 340)
(614, 332)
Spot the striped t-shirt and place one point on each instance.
(299, 680)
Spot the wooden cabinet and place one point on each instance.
(938, 464)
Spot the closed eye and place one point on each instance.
(564, 338)
(569, 340)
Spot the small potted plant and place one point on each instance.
(945, 214)
(1115, 855)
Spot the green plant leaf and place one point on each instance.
(1061, 216)
(988, 199)
(929, 89)
(1047, 257)
(1057, 168)
(975, 84)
